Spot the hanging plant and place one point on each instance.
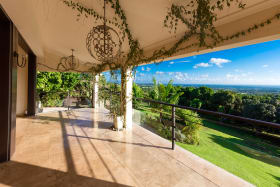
(197, 16)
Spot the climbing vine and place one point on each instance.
(197, 18)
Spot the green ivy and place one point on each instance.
(198, 16)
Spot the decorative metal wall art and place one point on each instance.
(103, 42)
(69, 63)
(21, 60)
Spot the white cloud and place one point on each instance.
(232, 77)
(159, 72)
(203, 65)
(265, 66)
(185, 61)
(179, 76)
(219, 61)
(239, 77)
(229, 76)
(143, 69)
(205, 76)
(172, 62)
(148, 69)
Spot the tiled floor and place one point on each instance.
(77, 148)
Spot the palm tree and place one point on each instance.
(167, 94)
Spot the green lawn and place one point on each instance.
(236, 151)
(239, 153)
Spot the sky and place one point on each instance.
(257, 64)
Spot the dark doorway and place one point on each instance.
(8, 73)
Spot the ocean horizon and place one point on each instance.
(223, 85)
(252, 89)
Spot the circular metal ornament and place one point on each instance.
(103, 43)
(69, 63)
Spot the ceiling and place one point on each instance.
(51, 28)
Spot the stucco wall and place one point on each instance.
(22, 85)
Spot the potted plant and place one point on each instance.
(39, 107)
(115, 112)
(111, 96)
(118, 122)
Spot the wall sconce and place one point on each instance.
(21, 59)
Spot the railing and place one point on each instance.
(207, 112)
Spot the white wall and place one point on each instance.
(22, 86)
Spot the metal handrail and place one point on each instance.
(207, 112)
(219, 114)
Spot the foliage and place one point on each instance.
(51, 100)
(223, 101)
(198, 17)
(262, 107)
(137, 93)
(53, 87)
(196, 96)
(192, 125)
(262, 111)
(196, 103)
(171, 94)
(165, 93)
(48, 81)
(109, 93)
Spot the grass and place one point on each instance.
(240, 153)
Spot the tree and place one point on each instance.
(168, 94)
(202, 94)
(261, 111)
(137, 93)
(225, 99)
(205, 96)
(192, 125)
(53, 87)
(69, 81)
(187, 96)
(196, 103)
(48, 81)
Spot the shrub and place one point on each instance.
(52, 100)
(193, 123)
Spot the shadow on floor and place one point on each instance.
(114, 141)
(235, 145)
(47, 119)
(18, 174)
(67, 150)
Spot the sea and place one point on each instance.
(246, 89)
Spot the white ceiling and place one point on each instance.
(51, 28)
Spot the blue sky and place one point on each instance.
(250, 65)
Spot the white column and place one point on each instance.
(95, 92)
(129, 95)
(128, 98)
